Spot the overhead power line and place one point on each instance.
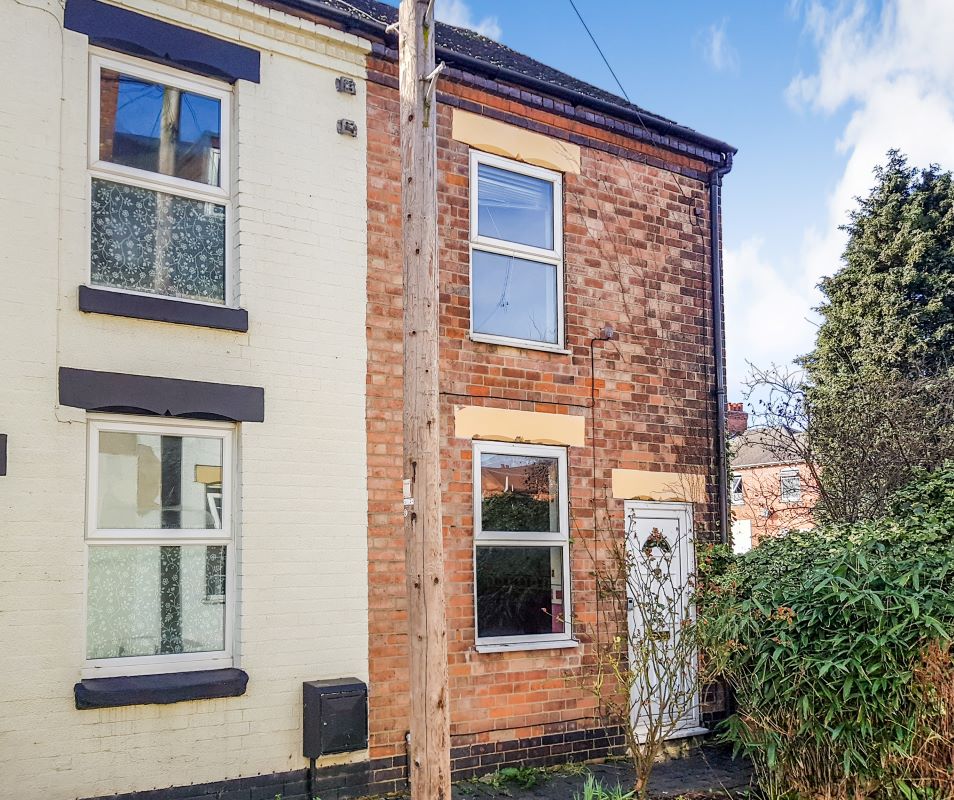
(599, 50)
(619, 83)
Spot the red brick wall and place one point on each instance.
(636, 256)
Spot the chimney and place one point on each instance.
(736, 419)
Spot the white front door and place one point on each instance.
(661, 561)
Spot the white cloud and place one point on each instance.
(457, 12)
(719, 52)
(767, 311)
(893, 72)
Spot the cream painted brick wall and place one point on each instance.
(300, 251)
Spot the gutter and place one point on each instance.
(645, 119)
(718, 331)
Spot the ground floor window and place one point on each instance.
(521, 536)
(159, 541)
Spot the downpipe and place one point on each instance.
(718, 329)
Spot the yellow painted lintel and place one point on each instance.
(499, 138)
(505, 425)
(639, 484)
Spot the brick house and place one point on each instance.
(771, 490)
(204, 361)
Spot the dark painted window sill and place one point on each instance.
(94, 300)
(174, 687)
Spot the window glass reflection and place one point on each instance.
(145, 600)
(147, 241)
(148, 481)
(519, 493)
(519, 591)
(159, 128)
(514, 207)
(514, 297)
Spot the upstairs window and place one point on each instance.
(516, 234)
(159, 198)
(521, 538)
(737, 493)
(791, 486)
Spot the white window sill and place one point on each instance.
(519, 344)
(513, 647)
(138, 666)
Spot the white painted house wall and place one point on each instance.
(298, 194)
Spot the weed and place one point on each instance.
(522, 777)
(594, 790)
(570, 769)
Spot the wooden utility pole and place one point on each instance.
(429, 746)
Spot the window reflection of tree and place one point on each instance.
(525, 500)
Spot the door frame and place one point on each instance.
(693, 723)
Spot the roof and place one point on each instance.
(761, 447)
(474, 51)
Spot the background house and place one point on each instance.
(771, 492)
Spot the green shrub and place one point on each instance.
(821, 634)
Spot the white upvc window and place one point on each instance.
(160, 546)
(521, 547)
(516, 253)
(790, 486)
(738, 495)
(160, 202)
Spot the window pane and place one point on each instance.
(791, 487)
(519, 591)
(147, 481)
(519, 493)
(215, 574)
(514, 207)
(146, 600)
(148, 241)
(514, 297)
(159, 128)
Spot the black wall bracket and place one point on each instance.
(345, 85)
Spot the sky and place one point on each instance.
(813, 93)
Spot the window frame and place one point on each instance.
(561, 538)
(737, 497)
(488, 244)
(792, 497)
(168, 662)
(97, 168)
